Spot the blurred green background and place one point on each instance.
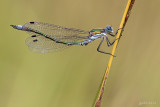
(70, 78)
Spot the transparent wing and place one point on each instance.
(41, 44)
(59, 32)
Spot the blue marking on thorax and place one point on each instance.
(94, 37)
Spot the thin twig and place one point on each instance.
(122, 25)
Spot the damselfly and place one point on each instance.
(50, 38)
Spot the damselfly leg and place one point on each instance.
(98, 49)
(108, 42)
(115, 33)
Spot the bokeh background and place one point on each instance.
(70, 78)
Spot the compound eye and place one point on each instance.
(109, 27)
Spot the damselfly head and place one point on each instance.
(109, 29)
(19, 27)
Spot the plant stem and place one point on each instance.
(119, 34)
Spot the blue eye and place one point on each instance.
(109, 29)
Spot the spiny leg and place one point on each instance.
(115, 33)
(100, 46)
(109, 43)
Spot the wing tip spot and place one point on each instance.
(31, 22)
(33, 36)
(35, 40)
